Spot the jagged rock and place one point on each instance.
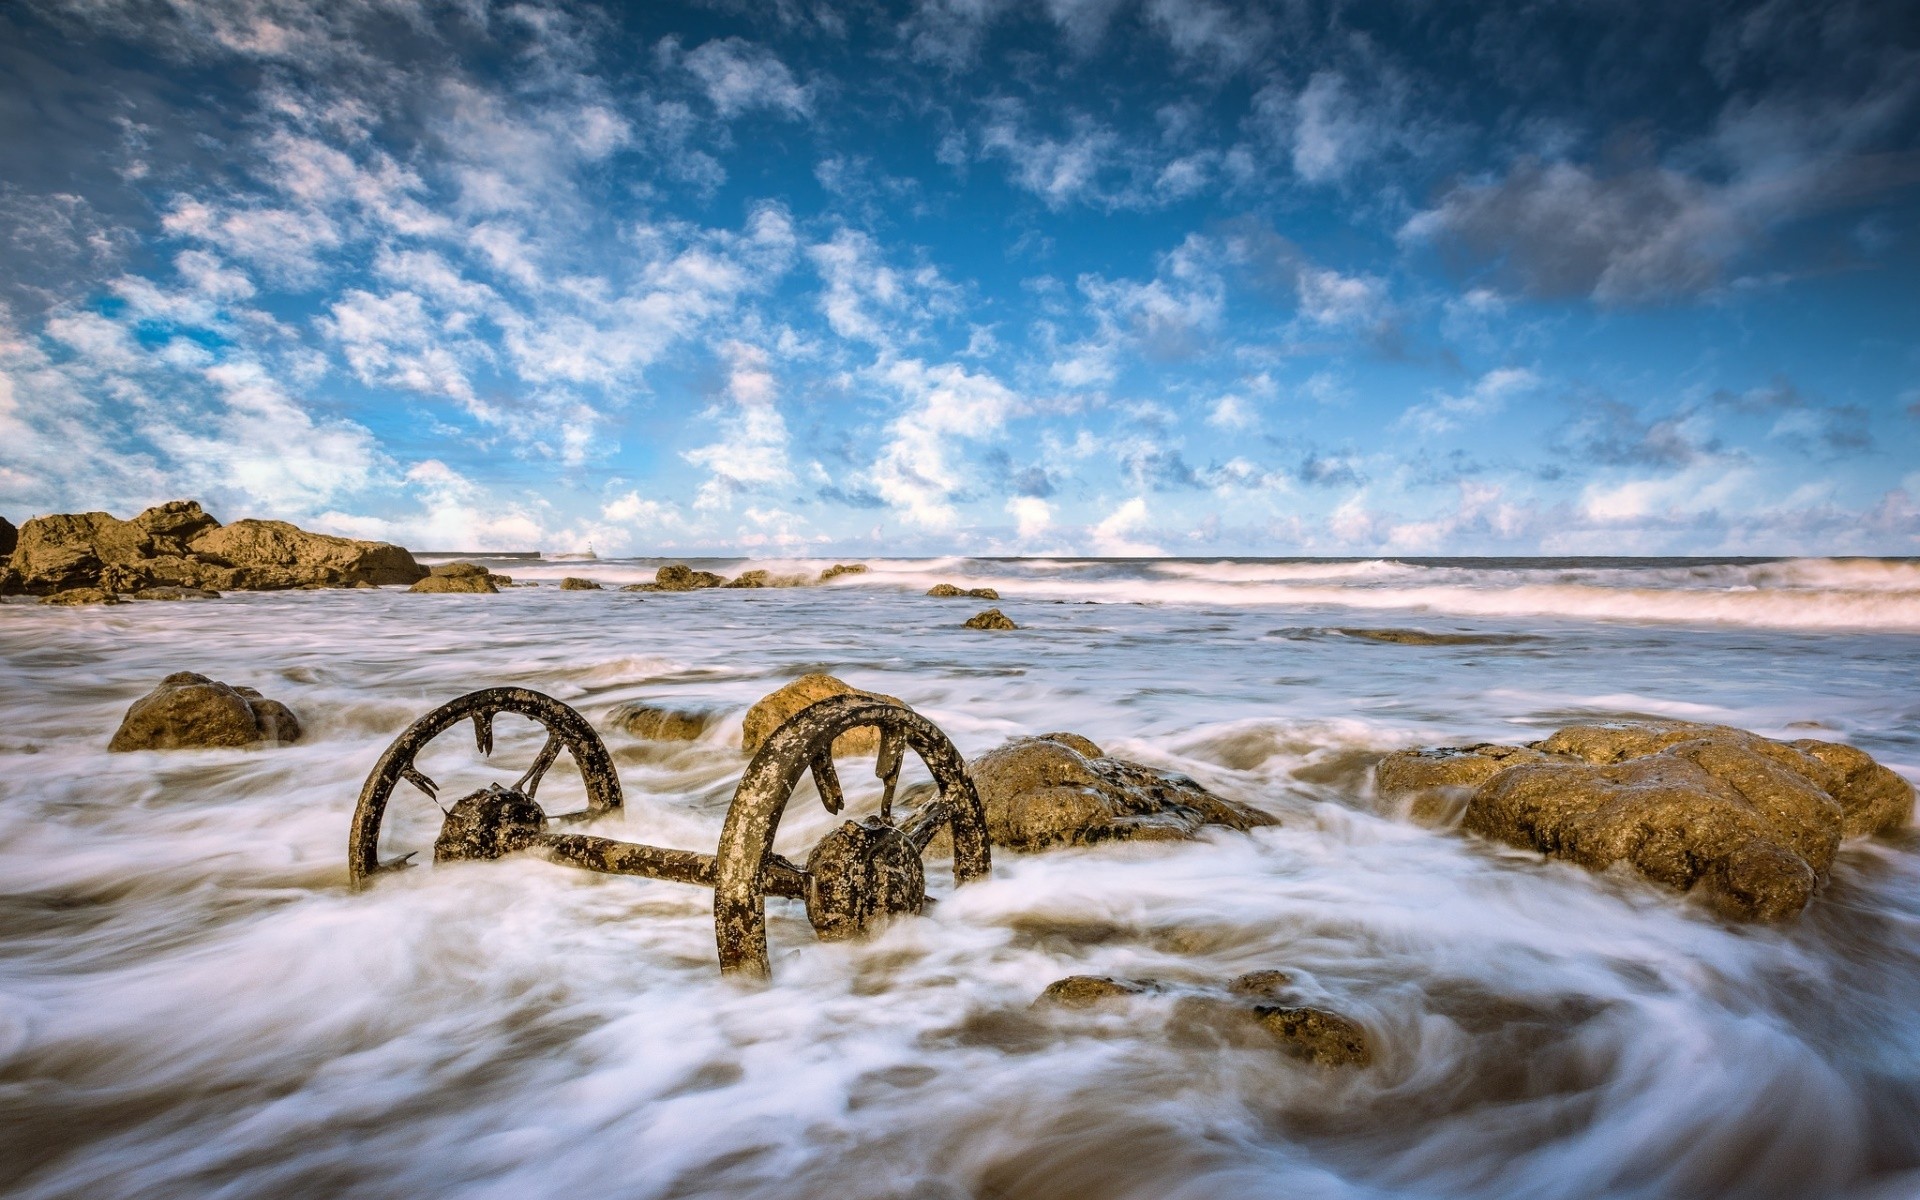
(1089, 991)
(1753, 823)
(678, 577)
(573, 583)
(773, 709)
(839, 569)
(1050, 791)
(992, 618)
(275, 554)
(658, 723)
(82, 595)
(10, 537)
(189, 711)
(169, 592)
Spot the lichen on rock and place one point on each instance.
(1060, 790)
(191, 711)
(992, 618)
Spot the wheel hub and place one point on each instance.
(861, 873)
(488, 824)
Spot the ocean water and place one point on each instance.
(192, 1003)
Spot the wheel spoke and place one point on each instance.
(530, 782)
(893, 752)
(412, 775)
(827, 781)
(483, 733)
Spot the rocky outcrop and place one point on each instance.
(678, 577)
(1060, 790)
(750, 579)
(1246, 1011)
(177, 544)
(573, 583)
(1750, 822)
(773, 709)
(10, 537)
(948, 590)
(839, 569)
(659, 723)
(189, 711)
(458, 577)
(992, 618)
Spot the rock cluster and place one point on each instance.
(1061, 790)
(773, 709)
(178, 545)
(460, 577)
(1247, 1005)
(839, 569)
(1751, 822)
(992, 618)
(948, 590)
(659, 723)
(189, 711)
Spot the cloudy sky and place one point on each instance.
(978, 276)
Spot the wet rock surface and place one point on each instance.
(661, 723)
(169, 592)
(1243, 1013)
(178, 544)
(948, 590)
(839, 569)
(191, 711)
(1060, 790)
(458, 577)
(1751, 822)
(573, 583)
(74, 597)
(773, 709)
(678, 577)
(992, 618)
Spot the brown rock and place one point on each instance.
(641, 587)
(169, 592)
(573, 583)
(945, 590)
(1873, 798)
(1045, 792)
(774, 708)
(82, 595)
(678, 577)
(1412, 771)
(1315, 1034)
(993, 618)
(189, 711)
(839, 569)
(657, 723)
(10, 537)
(1089, 991)
(750, 579)
(481, 583)
(274, 554)
(458, 570)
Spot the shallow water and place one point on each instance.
(192, 1003)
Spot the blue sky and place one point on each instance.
(971, 276)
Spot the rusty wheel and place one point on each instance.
(861, 870)
(566, 730)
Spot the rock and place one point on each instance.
(1047, 791)
(945, 590)
(678, 577)
(573, 583)
(993, 618)
(839, 569)
(189, 711)
(641, 587)
(750, 579)
(983, 593)
(10, 537)
(774, 708)
(275, 554)
(1753, 823)
(1315, 1034)
(657, 723)
(83, 595)
(456, 570)
(1089, 991)
(481, 583)
(168, 592)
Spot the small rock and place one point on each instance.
(678, 577)
(1263, 984)
(83, 595)
(573, 583)
(1326, 1038)
(165, 592)
(749, 579)
(657, 723)
(189, 711)
(945, 590)
(1044, 792)
(774, 708)
(479, 583)
(839, 569)
(1089, 991)
(992, 618)
(641, 587)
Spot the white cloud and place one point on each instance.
(740, 76)
(916, 473)
(1112, 537)
(1032, 516)
(1232, 412)
(752, 451)
(1337, 301)
(1490, 394)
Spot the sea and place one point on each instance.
(194, 1003)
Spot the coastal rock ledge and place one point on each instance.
(179, 545)
(1753, 823)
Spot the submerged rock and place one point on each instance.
(169, 592)
(189, 711)
(1234, 1014)
(1088, 991)
(1752, 822)
(992, 618)
(1060, 790)
(773, 709)
(839, 569)
(573, 583)
(82, 595)
(658, 723)
(947, 590)
(678, 577)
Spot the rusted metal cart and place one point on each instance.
(856, 875)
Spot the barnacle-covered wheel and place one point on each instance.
(861, 871)
(495, 815)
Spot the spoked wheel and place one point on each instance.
(566, 730)
(861, 871)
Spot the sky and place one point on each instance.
(1102, 277)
